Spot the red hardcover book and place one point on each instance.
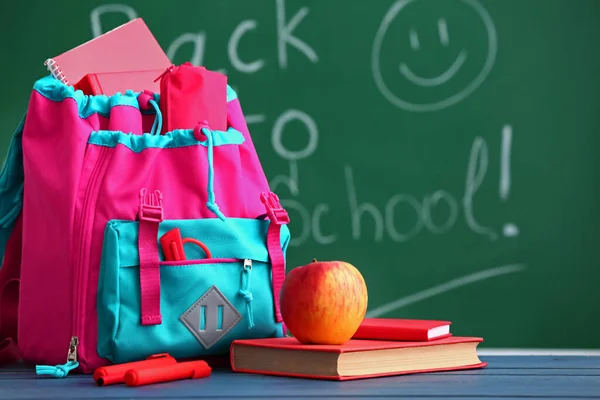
(129, 47)
(402, 329)
(356, 359)
(109, 83)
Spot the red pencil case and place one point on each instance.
(190, 94)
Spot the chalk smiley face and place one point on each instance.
(428, 58)
(444, 76)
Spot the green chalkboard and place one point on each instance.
(446, 148)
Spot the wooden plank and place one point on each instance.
(528, 371)
(229, 385)
(498, 365)
(515, 377)
(536, 362)
(487, 371)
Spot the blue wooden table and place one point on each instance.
(549, 377)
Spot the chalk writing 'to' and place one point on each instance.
(278, 127)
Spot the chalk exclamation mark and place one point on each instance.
(509, 229)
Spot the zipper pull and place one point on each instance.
(60, 371)
(165, 72)
(246, 293)
(72, 354)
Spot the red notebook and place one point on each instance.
(129, 47)
(355, 359)
(109, 83)
(402, 329)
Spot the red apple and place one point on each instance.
(323, 302)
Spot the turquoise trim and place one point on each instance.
(12, 180)
(55, 90)
(170, 140)
(231, 94)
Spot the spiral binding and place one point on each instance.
(55, 70)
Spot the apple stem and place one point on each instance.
(314, 260)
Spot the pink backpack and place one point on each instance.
(84, 238)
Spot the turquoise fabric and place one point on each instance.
(231, 94)
(55, 90)
(176, 138)
(122, 338)
(11, 187)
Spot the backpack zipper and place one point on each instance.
(80, 273)
(60, 371)
(164, 108)
(244, 291)
(181, 263)
(166, 71)
(72, 354)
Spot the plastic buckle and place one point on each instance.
(151, 208)
(275, 211)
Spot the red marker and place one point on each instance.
(184, 370)
(172, 245)
(113, 374)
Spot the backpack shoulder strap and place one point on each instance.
(277, 216)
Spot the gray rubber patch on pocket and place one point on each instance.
(210, 317)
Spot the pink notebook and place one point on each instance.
(129, 47)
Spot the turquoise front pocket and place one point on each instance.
(206, 303)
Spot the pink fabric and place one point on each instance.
(149, 265)
(277, 263)
(122, 119)
(54, 143)
(277, 216)
(73, 189)
(9, 295)
(251, 163)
